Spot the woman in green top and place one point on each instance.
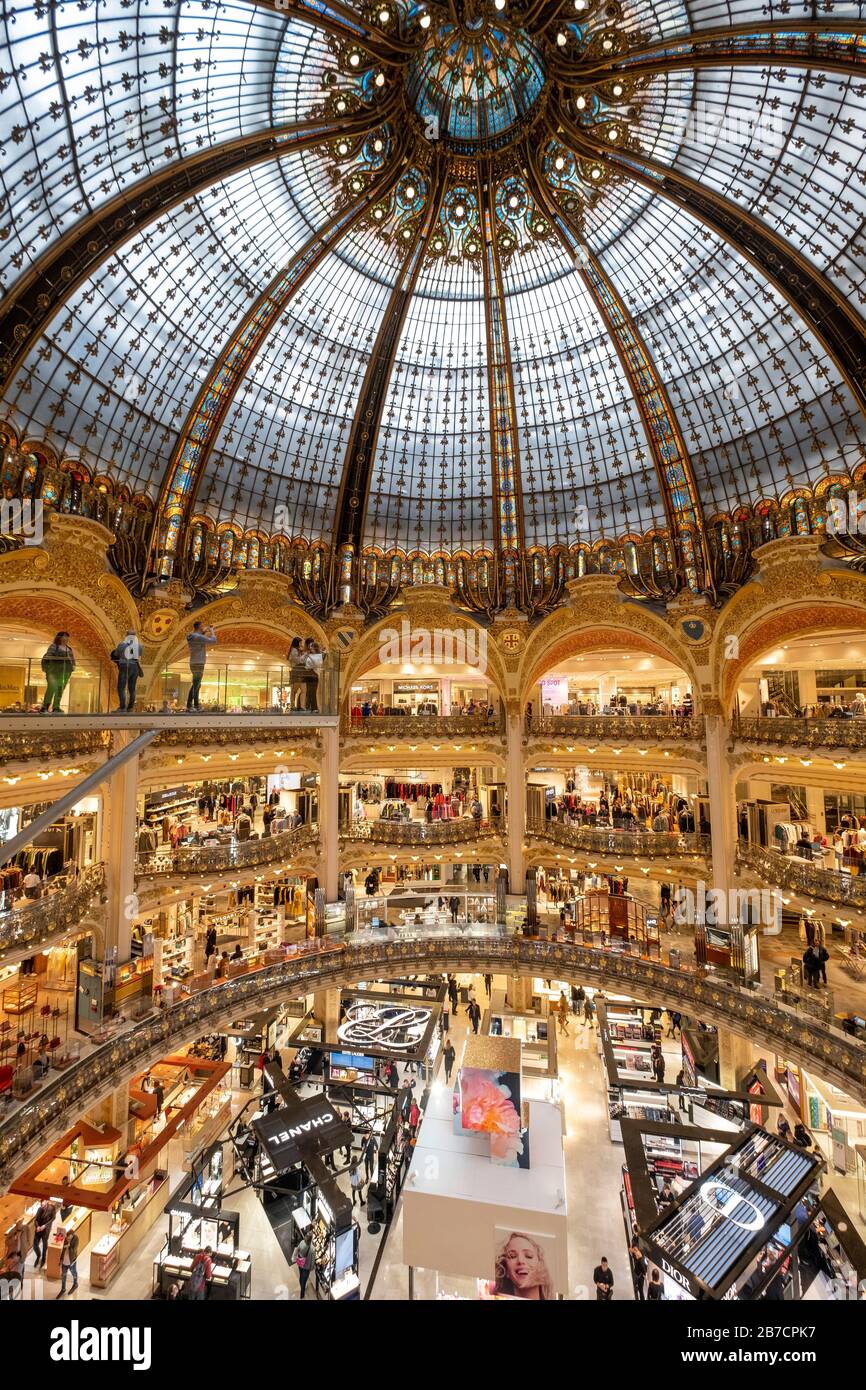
(58, 663)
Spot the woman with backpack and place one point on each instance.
(58, 663)
(127, 658)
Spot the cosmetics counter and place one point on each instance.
(334, 1239)
(196, 1219)
(131, 1219)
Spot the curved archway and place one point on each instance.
(597, 620)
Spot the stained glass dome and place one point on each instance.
(472, 85)
(374, 279)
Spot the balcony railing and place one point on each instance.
(443, 832)
(46, 743)
(606, 728)
(798, 876)
(757, 1015)
(789, 732)
(415, 727)
(641, 844)
(237, 854)
(30, 922)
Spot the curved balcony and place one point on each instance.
(765, 1020)
(799, 876)
(32, 925)
(619, 728)
(237, 854)
(443, 832)
(416, 728)
(818, 732)
(45, 743)
(639, 844)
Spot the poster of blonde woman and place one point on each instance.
(523, 1264)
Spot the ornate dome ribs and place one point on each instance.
(466, 278)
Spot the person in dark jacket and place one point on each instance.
(44, 1220)
(602, 1277)
(655, 1293)
(58, 663)
(448, 1057)
(474, 1012)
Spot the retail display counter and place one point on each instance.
(78, 1220)
(132, 1222)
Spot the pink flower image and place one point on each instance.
(488, 1108)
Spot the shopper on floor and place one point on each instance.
(452, 990)
(783, 1129)
(69, 1262)
(802, 1136)
(159, 1093)
(444, 1020)
(58, 663)
(454, 907)
(357, 1181)
(370, 1151)
(12, 1278)
(666, 1197)
(638, 1269)
(562, 1009)
(602, 1277)
(488, 985)
(588, 1012)
(210, 942)
(127, 658)
(448, 1057)
(198, 642)
(578, 999)
(45, 1214)
(655, 1293)
(414, 1116)
(304, 1264)
(201, 1274)
(474, 1012)
(32, 885)
(659, 1067)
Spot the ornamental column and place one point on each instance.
(326, 1010)
(329, 813)
(723, 810)
(119, 802)
(515, 784)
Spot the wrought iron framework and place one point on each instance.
(470, 102)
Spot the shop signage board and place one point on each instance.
(294, 1132)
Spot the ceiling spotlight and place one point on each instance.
(581, 103)
(384, 16)
(341, 105)
(378, 146)
(514, 201)
(342, 148)
(380, 79)
(410, 191)
(459, 210)
(425, 21)
(499, 4)
(580, 5)
(354, 60)
(559, 162)
(613, 133)
(607, 45)
(595, 173)
(562, 38)
(617, 89)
